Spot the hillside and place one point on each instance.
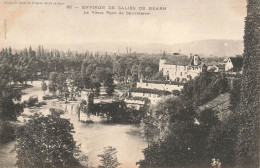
(212, 47)
(220, 104)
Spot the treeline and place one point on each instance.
(28, 64)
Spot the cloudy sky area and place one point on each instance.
(183, 21)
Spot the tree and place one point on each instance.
(148, 128)
(53, 78)
(52, 88)
(109, 84)
(43, 86)
(159, 76)
(170, 110)
(90, 103)
(66, 94)
(96, 86)
(47, 141)
(9, 110)
(134, 73)
(109, 158)
(61, 83)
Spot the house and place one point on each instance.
(182, 72)
(152, 94)
(234, 64)
(137, 102)
(217, 68)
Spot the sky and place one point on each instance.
(182, 21)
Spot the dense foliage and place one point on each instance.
(186, 138)
(248, 111)
(109, 84)
(205, 88)
(47, 142)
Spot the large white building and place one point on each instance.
(160, 85)
(182, 73)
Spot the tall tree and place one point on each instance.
(109, 84)
(249, 123)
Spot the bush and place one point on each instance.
(109, 158)
(40, 104)
(31, 102)
(50, 97)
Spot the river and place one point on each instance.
(126, 138)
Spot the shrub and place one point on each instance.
(49, 97)
(109, 158)
(32, 101)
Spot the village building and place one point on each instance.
(137, 102)
(182, 73)
(234, 64)
(152, 94)
(217, 68)
(160, 85)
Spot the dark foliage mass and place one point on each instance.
(47, 141)
(248, 110)
(205, 88)
(187, 139)
(6, 131)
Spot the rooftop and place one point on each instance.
(237, 63)
(153, 91)
(162, 82)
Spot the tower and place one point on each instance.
(196, 60)
(161, 64)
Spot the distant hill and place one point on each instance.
(212, 47)
(204, 48)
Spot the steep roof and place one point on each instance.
(153, 91)
(237, 63)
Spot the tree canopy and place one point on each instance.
(47, 142)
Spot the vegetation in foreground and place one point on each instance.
(187, 138)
